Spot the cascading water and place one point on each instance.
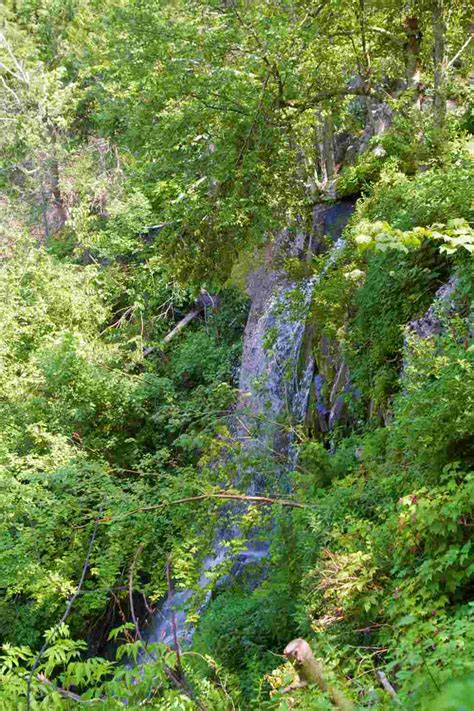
(275, 379)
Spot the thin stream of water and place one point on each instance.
(278, 381)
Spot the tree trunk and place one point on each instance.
(412, 54)
(328, 154)
(324, 130)
(59, 214)
(439, 88)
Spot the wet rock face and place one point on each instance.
(431, 323)
(278, 380)
(271, 378)
(330, 221)
(205, 300)
(379, 119)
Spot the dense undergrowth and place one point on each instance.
(150, 151)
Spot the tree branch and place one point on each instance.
(67, 611)
(65, 693)
(218, 107)
(22, 75)
(221, 495)
(310, 671)
(460, 51)
(130, 591)
(174, 627)
(183, 686)
(181, 324)
(331, 94)
(387, 685)
(386, 33)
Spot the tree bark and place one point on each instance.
(328, 155)
(439, 88)
(59, 214)
(412, 54)
(387, 685)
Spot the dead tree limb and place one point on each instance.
(65, 693)
(181, 324)
(382, 677)
(460, 51)
(230, 497)
(268, 500)
(311, 671)
(130, 591)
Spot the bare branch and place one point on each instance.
(331, 94)
(226, 496)
(387, 685)
(66, 614)
(22, 75)
(65, 693)
(130, 591)
(181, 324)
(218, 107)
(181, 684)
(310, 671)
(8, 70)
(386, 33)
(10, 90)
(460, 51)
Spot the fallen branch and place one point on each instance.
(460, 51)
(310, 671)
(387, 685)
(268, 500)
(181, 324)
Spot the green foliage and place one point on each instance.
(149, 149)
(244, 631)
(436, 195)
(395, 289)
(99, 681)
(390, 564)
(382, 237)
(457, 696)
(84, 423)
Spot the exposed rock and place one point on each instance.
(274, 382)
(431, 324)
(339, 389)
(331, 389)
(379, 120)
(271, 379)
(329, 220)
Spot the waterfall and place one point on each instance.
(276, 376)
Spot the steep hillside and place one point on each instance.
(236, 355)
